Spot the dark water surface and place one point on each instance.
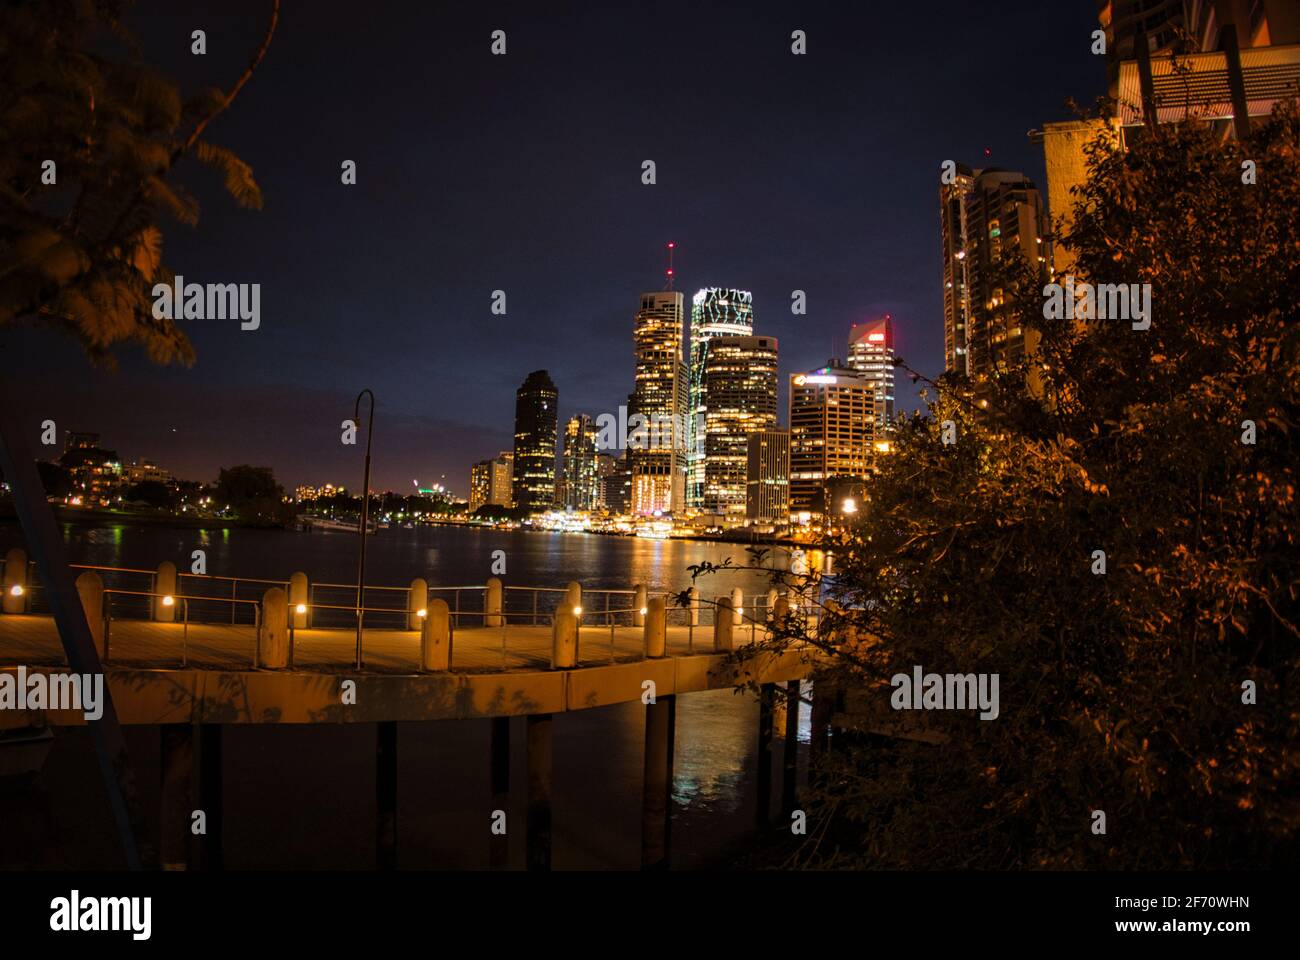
(304, 796)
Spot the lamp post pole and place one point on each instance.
(365, 516)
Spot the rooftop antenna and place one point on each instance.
(668, 281)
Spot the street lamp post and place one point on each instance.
(365, 516)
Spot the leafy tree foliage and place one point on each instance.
(83, 253)
(253, 494)
(1120, 691)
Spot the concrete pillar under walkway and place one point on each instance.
(386, 795)
(657, 785)
(763, 785)
(499, 849)
(790, 753)
(176, 801)
(538, 746)
(211, 793)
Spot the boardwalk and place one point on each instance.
(33, 640)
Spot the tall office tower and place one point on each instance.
(535, 438)
(606, 464)
(738, 397)
(617, 487)
(986, 216)
(657, 451)
(580, 463)
(832, 427)
(956, 280)
(871, 353)
(503, 468)
(480, 484)
(715, 312)
(767, 477)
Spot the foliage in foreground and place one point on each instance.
(1120, 692)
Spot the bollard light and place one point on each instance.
(740, 611)
(301, 608)
(422, 612)
(16, 590)
(644, 611)
(168, 600)
(577, 611)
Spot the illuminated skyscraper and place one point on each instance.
(535, 437)
(580, 463)
(657, 448)
(986, 216)
(490, 481)
(871, 353)
(767, 495)
(832, 427)
(737, 398)
(715, 312)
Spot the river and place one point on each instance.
(302, 797)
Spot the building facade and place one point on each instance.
(832, 429)
(767, 477)
(657, 450)
(987, 217)
(536, 423)
(715, 312)
(871, 353)
(737, 397)
(579, 458)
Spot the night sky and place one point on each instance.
(523, 173)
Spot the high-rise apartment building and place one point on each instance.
(616, 487)
(715, 312)
(737, 397)
(832, 429)
(657, 449)
(579, 460)
(536, 425)
(987, 218)
(871, 353)
(490, 481)
(767, 477)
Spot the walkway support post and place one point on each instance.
(435, 638)
(656, 627)
(499, 849)
(763, 807)
(210, 795)
(386, 795)
(16, 585)
(790, 752)
(177, 796)
(273, 631)
(539, 791)
(417, 604)
(656, 796)
(493, 605)
(695, 606)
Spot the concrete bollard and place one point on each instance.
(723, 624)
(90, 587)
(656, 627)
(638, 605)
(435, 638)
(693, 610)
(493, 603)
(738, 606)
(564, 638)
(417, 604)
(299, 592)
(771, 600)
(164, 585)
(15, 598)
(781, 609)
(273, 634)
(573, 597)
